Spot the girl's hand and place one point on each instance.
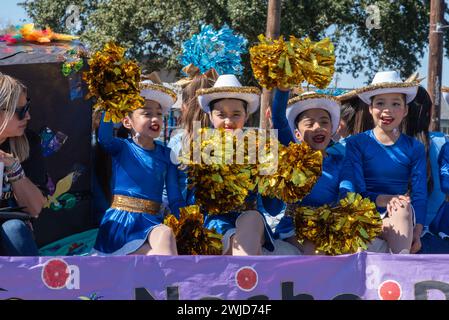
(416, 243)
(396, 203)
(392, 201)
(284, 88)
(7, 158)
(405, 198)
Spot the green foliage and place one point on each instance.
(153, 30)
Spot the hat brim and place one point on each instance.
(298, 105)
(343, 98)
(445, 100)
(249, 94)
(409, 89)
(162, 95)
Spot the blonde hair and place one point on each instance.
(10, 91)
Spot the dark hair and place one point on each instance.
(347, 114)
(363, 120)
(213, 102)
(301, 115)
(416, 124)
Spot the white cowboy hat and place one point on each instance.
(445, 99)
(312, 100)
(345, 97)
(228, 86)
(159, 93)
(388, 82)
(444, 89)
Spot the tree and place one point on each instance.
(154, 30)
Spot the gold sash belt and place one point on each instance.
(135, 204)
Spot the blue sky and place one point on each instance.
(12, 13)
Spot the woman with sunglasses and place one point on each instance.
(18, 191)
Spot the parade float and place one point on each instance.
(62, 118)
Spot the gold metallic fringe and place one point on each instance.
(192, 238)
(385, 85)
(221, 184)
(346, 96)
(310, 96)
(250, 90)
(340, 230)
(158, 87)
(299, 168)
(114, 82)
(284, 64)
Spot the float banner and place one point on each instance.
(358, 276)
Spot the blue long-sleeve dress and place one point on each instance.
(138, 173)
(372, 168)
(326, 190)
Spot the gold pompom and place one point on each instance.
(299, 167)
(342, 229)
(114, 82)
(272, 62)
(192, 238)
(316, 61)
(279, 63)
(221, 178)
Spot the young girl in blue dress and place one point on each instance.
(312, 118)
(440, 224)
(229, 105)
(141, 165)
(390, 167)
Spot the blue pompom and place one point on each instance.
(332, 91)
(220, 50)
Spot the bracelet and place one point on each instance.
(16, 177)
(15, 173)
(13, 168)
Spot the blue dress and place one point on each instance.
(337, 147)
(175, 144)
(371, 169)
(326, 190)
(226, 223)
(436, 197)
(440, 222)
(137, 173)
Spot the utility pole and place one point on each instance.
(435, 60)
(273, 31)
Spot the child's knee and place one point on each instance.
(250, 217)
(166, 233)
(12, 227)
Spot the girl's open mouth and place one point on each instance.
(155, 127)
(319, 138)
(386, 119)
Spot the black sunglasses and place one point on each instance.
(21, 112)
